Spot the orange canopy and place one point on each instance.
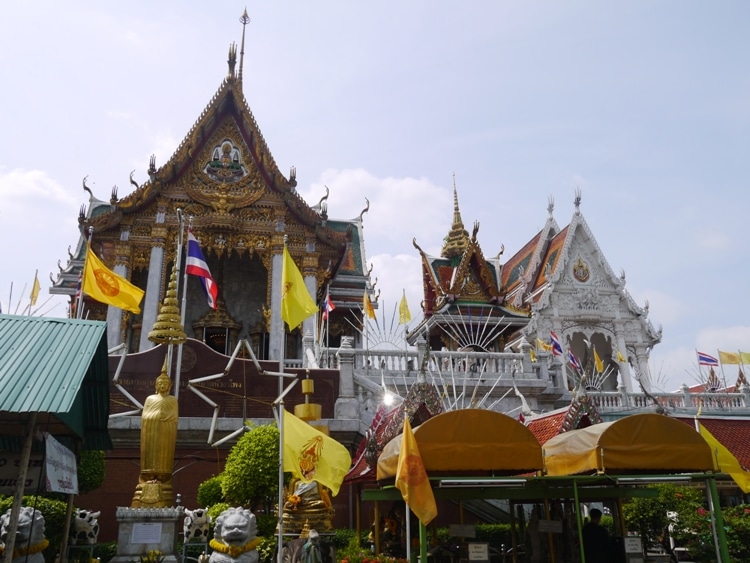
(469, 441)
(636, 443)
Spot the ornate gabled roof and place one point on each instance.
(461, 274)
(223, 177)
(579, 414)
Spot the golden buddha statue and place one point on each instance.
(309, 504)
(158, 438)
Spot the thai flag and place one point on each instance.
(574, 361)
(556, 346)
(706, 360)
(196, 266)
(328, 306)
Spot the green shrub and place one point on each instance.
(267, 550)
(91, 471)
(343, 537)
(105, 551)
(209, 492)
(266, 524)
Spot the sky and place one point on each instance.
(644, 106)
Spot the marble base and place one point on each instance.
(142, 530)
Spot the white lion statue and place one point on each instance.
(30, 540)
(235, 537)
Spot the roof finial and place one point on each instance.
(577, 200)
(550, 205)
(458, 238)
(244, 19)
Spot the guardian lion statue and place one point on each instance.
(30, 540)
(235, 537)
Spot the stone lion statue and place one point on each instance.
(30, 540)
(235, 537)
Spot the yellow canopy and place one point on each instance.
(636, 443)
(469, 441)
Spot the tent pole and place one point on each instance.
(717, 519)
(578, 519)
(18, 495)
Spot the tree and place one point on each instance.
(648, 516)
(91, 471)
(251, 473)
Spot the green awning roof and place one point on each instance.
(57, 368)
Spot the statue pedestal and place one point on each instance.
(147, 529)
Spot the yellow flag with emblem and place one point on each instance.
(404, 316)
(725, 461)
(367, 306)
(598, 362)
(296, 302)
(35, 289)
(411, 478)
(620, 357)
(310, 455)
(541, 344)
(103, 285)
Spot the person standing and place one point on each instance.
(597, 546)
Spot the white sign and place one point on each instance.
(148, 532)
(60, 467)
(10, 465)
(633, 544)
(479, 552)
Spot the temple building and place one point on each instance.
(496, 333)
(223, 179)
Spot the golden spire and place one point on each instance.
(168, 328)
(244, 19)
(457, 240)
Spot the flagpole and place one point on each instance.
(408, 531)
(178, 366)
(280, 524)
(79, 305)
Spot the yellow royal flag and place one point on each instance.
(725, 461)
(411, 478)
(729, 357)
(745, 357)
(546, 346)
(35, 289)
(310, 455)
(532, 355)
(103, 285)
(404, 316)
(296, 302)
(598, 362)
(367, 306)
(620, 357)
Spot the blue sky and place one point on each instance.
(644, 106)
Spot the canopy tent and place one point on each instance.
(469, 441)
(57, 370)
(635, 444)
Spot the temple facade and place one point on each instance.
(225, 183)
(484, 339)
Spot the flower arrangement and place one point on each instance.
(294, 501)
(153, 556)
